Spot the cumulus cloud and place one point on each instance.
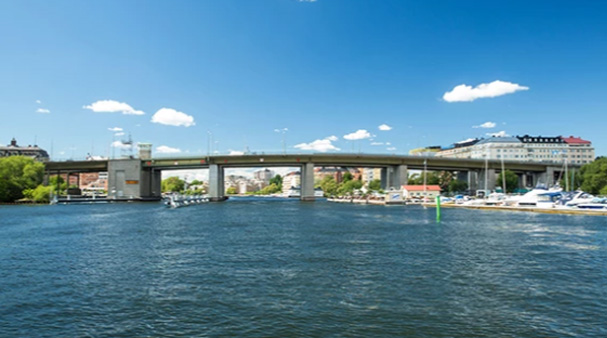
(391, 148)
(358, 135)
(322, 146)
(332, 138)
(377, 143)
(111, 106)
(498, 134)
(42, 111)
(120, 133)
(115, 129)
(465, 93)
(167, 150)
(172, 117)
(384, 127)
(282, 130)
(120, 145)
(486, 125)
(236, 152)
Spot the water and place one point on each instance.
(281, 268)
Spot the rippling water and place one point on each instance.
(281, 268)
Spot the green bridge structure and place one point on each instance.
(140, 179)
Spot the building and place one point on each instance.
(35, 152)
(370, 174)
(425, 151)
(291, 180)
(419, 191)
(459, 149)
(337, 173)
(557, 149)
(264, 175)
(579, 151)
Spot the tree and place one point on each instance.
(329, 186)
(277, 181)
(39, 195)
(375, 185)
(347, 177)
(18, 173)
(458, 186)
(173, 184)
(511, 180)
(270, 189)
(231, 191)
(348, 187)
(594, 176)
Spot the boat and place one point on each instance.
(597, 203)
(576, 198)
(548, 199)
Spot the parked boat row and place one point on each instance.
(540, 197)
(178, 201)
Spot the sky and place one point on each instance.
(272, 76)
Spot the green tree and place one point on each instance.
(58, 183)
(375, 185)
(41, 194)
(270, 189)
(458, 186)
(348, 187)
(347, 177)
(511, 180)
(329, 186)
(173, 184)
(18, 173)
(231, 191)
(277, 181)
(593, 176)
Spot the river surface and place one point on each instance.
(283, 268)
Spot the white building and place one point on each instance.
(524, 148)
(291, 180)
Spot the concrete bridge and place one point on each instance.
(141, 178)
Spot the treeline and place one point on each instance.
(21, 177)
(591, 178)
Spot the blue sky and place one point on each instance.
(243, 71)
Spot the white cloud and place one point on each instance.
(43, 111)
(486, 125)
(322, 146)
(281, 130)
(115, 129)
(358, 135)
(172, 117)
(120, 145)
(464, 93)
(167, 150)
(38, 101)
(377, 143)
(306, 0)
(384, 127)
(111, 106)
(391, 148)
(498, 134)
(388, 143)
(120, 133)
(236, 152)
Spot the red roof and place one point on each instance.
(421, 187)
(575, 140)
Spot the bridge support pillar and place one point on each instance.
(394, 177)
(216, 183)
(307, 182)
(472, 179)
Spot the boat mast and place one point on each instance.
(503, 177)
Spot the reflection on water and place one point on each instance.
(273, 267)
